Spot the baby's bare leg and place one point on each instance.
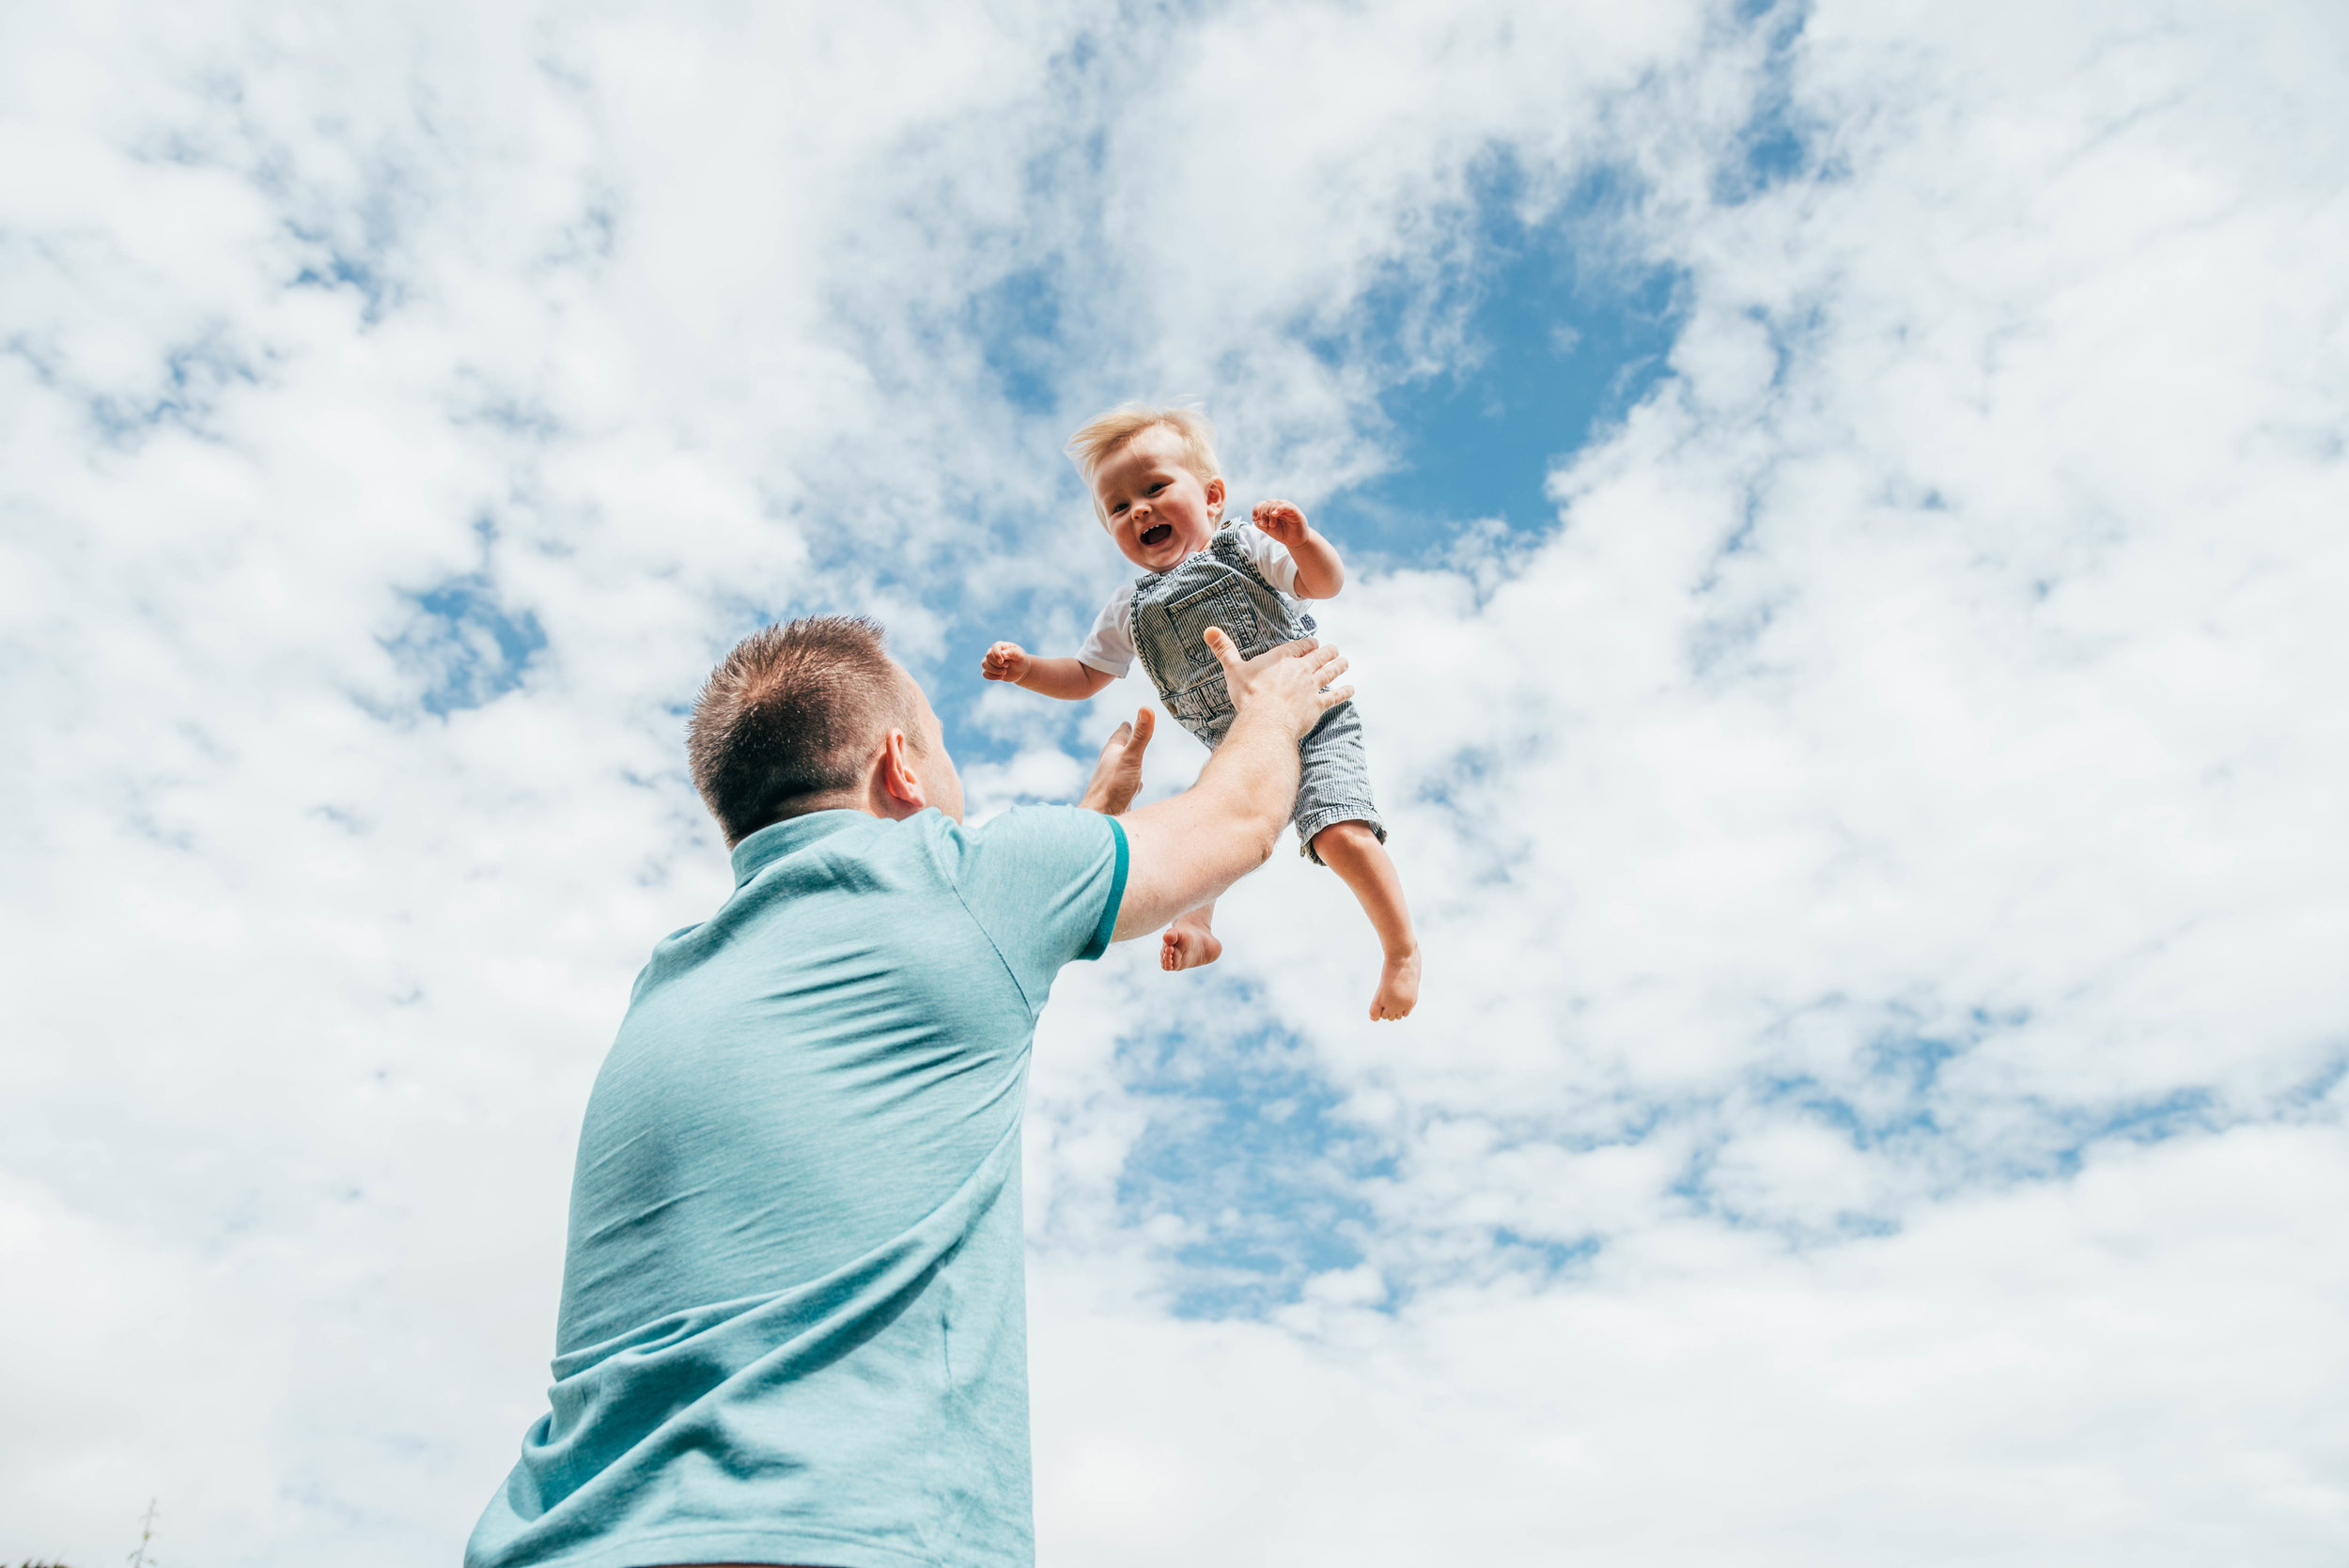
(1188, 942)
(1353, 852)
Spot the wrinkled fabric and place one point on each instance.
(793, 1321)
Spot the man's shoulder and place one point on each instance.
(875, 855)
(1030, 845)
(1046, 881)
(1026, 828)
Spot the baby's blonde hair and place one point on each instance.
(1105, 435)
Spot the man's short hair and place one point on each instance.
(793, 712)
(1106, 435)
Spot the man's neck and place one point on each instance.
(838, 799)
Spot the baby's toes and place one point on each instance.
(1398, 990)
(1187, 949)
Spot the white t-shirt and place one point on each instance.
(1109, 648)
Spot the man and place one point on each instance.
(793, 1327)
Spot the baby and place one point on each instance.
(1158, 489)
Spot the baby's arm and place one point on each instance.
(1319, 573)
(1070, 679)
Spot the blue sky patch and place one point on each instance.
(1539, 340)
(1774, 145)
(466, 645)
(1245, 1147)
(1018, 320)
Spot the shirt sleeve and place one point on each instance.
(1045, 884)
(1268, 556)
(1109, 648)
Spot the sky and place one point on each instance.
(1845, 508)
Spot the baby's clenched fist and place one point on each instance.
(1282, 521)
(1005, 661)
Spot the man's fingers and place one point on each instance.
(1335, 695)
(1220, 644)
(1132, 735)
(1117, 776)
(1323, 662)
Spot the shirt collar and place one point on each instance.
(771, 843)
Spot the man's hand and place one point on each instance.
(1117, 776)
(1289, 683)
(1005, 661)
(1280, 520)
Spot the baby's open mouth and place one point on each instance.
(1157, 534)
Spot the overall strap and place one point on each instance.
(1227, 548)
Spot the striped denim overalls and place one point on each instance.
(1171, 612)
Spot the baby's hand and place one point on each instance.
(1282, 521)
(1005, 661)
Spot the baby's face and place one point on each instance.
(1158, 510)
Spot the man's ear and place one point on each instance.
(899, 780)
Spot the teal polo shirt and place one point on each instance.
(794, 1315)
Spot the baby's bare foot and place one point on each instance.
(1187, 947)
(1399, 987)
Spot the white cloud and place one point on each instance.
(2139, 1363)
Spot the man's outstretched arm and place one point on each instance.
(1184, 851)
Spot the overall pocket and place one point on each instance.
(1202, 702)
(1224, 604)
